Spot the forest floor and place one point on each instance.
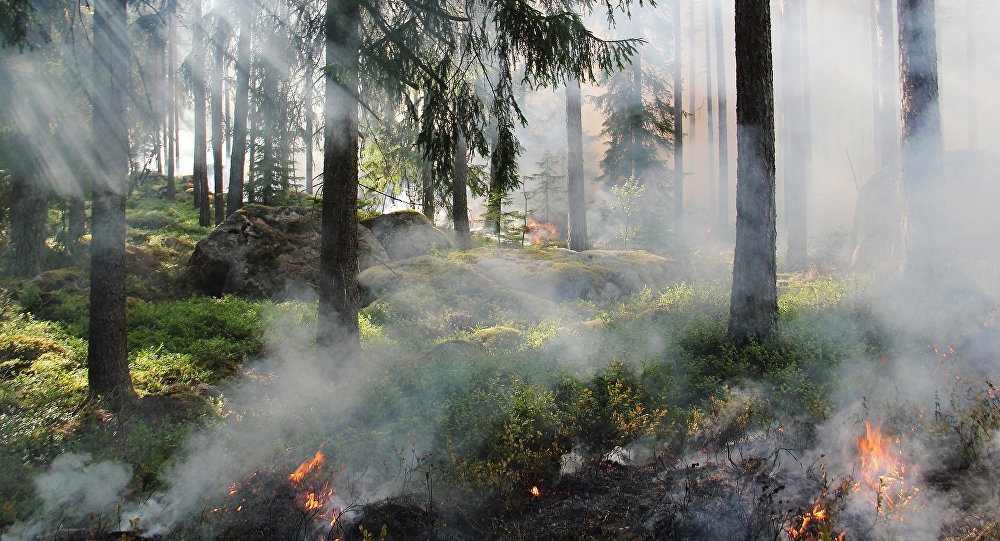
(625, 417)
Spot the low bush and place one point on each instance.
(218, 334)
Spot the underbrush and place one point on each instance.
(499, 395)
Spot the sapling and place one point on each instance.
(628, 195)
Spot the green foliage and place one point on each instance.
(156, 371)
(218, 334)
(612, 410)
(628, 195)
(507, 437)
(638, 124)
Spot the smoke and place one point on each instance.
(73, 488)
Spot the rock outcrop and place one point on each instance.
(267, 252)
(406, 233)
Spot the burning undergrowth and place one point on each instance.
(850, 432)
(275, 505)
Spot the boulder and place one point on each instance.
(266, 252)
(406, 233)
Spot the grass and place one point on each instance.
(496, 393)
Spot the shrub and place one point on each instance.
(218, 334)
(611, 410)
(523, 438)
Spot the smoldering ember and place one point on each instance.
(502, 270)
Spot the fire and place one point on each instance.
(883, 470)
(812, 525)
(303, 470)
(535, 492)
(538, 233)
(311, 499)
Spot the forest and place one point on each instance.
(499, 269)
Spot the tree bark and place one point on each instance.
(753, 313)
(427, 190)
(217, 114)
(713, 164)
(460, 202)
(692, 72)
(310, 125)
(241, 106)
(797, 132)
(171, 97)
(922, 147)
(338, 277)
(77, 227)
(200, 168)
(886, 80)
(971, 100)
(575, 189)
(28, 214)
(723, 112)
(678, 123)
(108, 374)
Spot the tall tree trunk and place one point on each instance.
(494, 199)
(575, 189)
(427, 190)
(723, 112)
(28, 215)
(158, 73)
(678, 123)
(637, 165)
(171, 98)
(886, 80)
(753, 312)
(308, 99)
(797, 133)
(77, 226)
(460, 202)
(692, 72)
(200, 169)
(217, 114)
(923, 179)
(241, 107)
(970, 79)
(338, 277)
(108, 374)
(713, 164)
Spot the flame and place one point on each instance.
(535, 492)
(883, 470)
(303, 470)
(538, 233)
(312, 500)
(944, 351)
(817, 514)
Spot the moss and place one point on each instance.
(28, 347)
(499, 337)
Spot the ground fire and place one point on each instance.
(537, 233)
(272, 505)
(882, 470)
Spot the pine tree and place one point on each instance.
(753, 310)
(108, 373)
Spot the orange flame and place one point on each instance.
(303, 470)
(311, 499)
(811, 527)
(535, 492)
(883, 469)
(538, 233)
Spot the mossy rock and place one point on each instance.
(19, 351)
(69, 278)
(499, 337)
(267, 252)
(406, 233)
